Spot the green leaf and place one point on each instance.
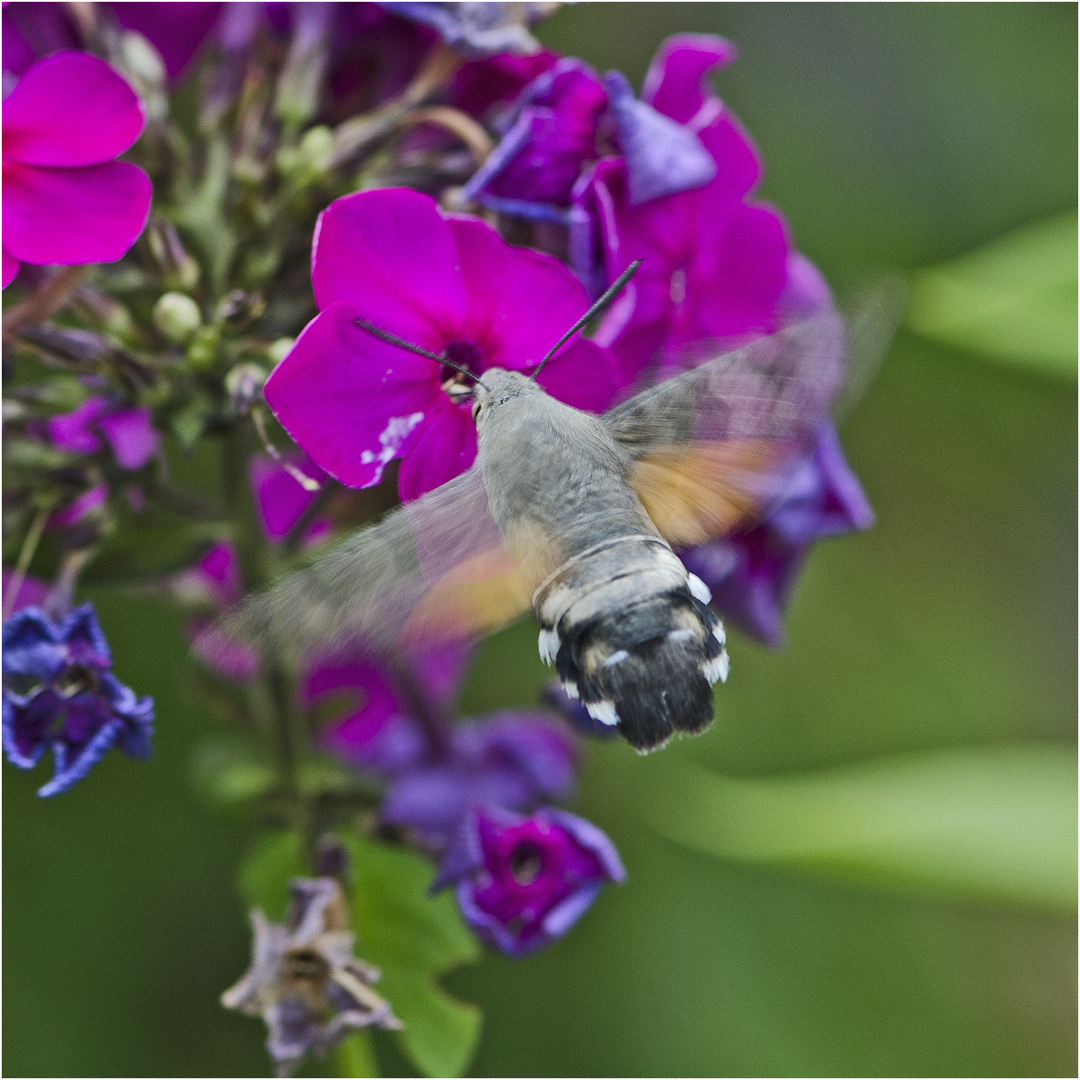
(1013, 300)
(993, 823)
(273, 861)
(355, 1056)
(414, 938)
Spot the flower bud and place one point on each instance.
(244, 385)
(276, 351)
(143, 66)
(239, 308)
(203, 348)
(177, 316)
(181, 271)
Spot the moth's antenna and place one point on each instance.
(613, 290)
(408, 346)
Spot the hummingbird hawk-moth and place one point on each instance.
(578, 516)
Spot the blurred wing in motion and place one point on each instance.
(434, 568)
(708, 446)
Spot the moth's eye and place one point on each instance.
(475, 410)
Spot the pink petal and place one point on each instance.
(220, 567)
(349, 400)
(674, 83)
(280, 498)
(389, 254)
(11, 268)
(32, 592)
(70, 109)
(583, 375)
(78, 509)
(443, 446)
(90, 214)
(520, 301)
(735, 286)
(131, 435)
(75, 431)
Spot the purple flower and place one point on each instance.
(714, 264)
(65, 199)
(554, 130)
(304, 981)
(59, 692)
(128, 431)
(394, 721)
(478, 29)
(523, 882)
(511, 760)
(751, 573)
(176, 30)
(447, 284)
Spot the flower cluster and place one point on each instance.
(458, 197)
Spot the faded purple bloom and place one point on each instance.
(479, 29)
(304, 981)
(80, 507)
(554, 131)
(714, 264)
(482, 87)
(60, 693)
(32, 592)
(394, 720)
(513, 760)
(176, 30)
(65, 199)
(523, 882)
(751, 573)
(128, 431)
(447, 284)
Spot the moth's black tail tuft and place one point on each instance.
(649, 668)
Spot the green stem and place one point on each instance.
(355, 1056)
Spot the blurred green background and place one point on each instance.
(929, 683)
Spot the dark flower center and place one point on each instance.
(465, 354)
(526, 863)
(304, 966)
(75, 680)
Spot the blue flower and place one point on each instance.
(59, 692)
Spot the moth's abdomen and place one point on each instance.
(631, 635)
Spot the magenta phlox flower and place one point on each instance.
(522, 883)
(556, 128)
(282, 501)
(448, 284)
(60, 693)
(751, 573)
(65, 199)
(713, 262)
(213, 585)
(376, 731)
(127, 430)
